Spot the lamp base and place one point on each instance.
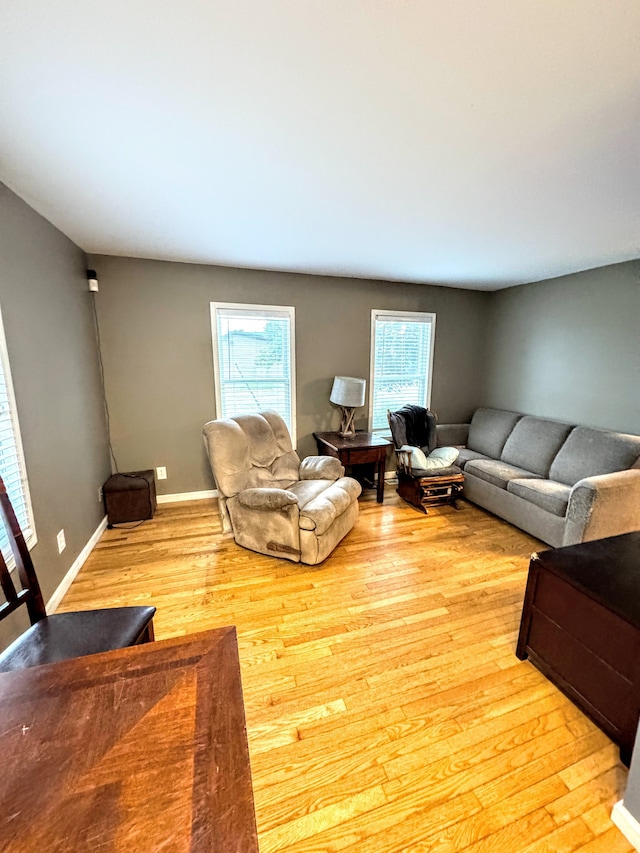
(346, 424)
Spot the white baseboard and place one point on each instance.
(77, 564)
(187, 496)
(627, 824)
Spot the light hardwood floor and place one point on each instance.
(386, 709)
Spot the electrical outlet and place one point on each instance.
(161, 473)
(62, 542)
(100, 495)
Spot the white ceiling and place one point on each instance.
(474, 143)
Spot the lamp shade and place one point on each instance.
(348, 391)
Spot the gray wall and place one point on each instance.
(156, 343)
(569, 348)
(52, 351)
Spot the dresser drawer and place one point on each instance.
(595, 685)
(599, 630)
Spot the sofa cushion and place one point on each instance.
(489, 430)
(547, 494)
(588, 452)
(496, 472)
(466, 455)
(534, 443)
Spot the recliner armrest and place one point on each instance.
(266, 498)
(320, 513)
(321, 468)
(603, 505)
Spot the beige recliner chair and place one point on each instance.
(271, 502)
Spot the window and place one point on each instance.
(401, 362)
(253, 360)
(12, 466)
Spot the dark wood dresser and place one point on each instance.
(581, 628)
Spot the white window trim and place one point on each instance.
(378, 313)
(32, 538)
(245, 306)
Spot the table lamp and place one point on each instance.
(348, 393)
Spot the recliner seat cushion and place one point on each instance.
(496, 472)
(490, 429)
(308, 490)
(547, 494)
(588, 452)
(534, 443)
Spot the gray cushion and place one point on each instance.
(489, 430)
(466, 455)
(588, 452)
(534, 443)
(496, 472)
(547, 494)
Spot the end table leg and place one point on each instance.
(381, 470)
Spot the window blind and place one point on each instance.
(402, 344)
(253, 358)
(12, 466)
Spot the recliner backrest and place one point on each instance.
(251, 451)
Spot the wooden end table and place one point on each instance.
(363, 448)
(581, 628)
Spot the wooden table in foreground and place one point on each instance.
(138, 750)
(581, 628)
(363, 448)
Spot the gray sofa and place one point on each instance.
(561, 483)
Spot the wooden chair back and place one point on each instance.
(29, 593)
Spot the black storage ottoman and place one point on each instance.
(129, 497)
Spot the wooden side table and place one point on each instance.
(363, 448)
(581, 628)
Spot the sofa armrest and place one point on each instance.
(321, 468)
(267, 499)
(603, 505)
(452, 435)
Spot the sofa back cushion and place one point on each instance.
(588, 452)
(489, 430)
(534, 443)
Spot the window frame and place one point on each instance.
(287, 310)
(30, 535)
(411, 316)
